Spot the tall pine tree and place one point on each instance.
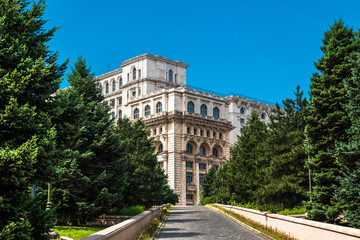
(92, 176)
(348, 153)
(146, 183)
(29, 76)
(327, 120)
(286, 182)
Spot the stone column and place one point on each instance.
(197, 183)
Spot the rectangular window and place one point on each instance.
(220, 136)
(202, 166)
(201, 132)
(207, 133)
(162, 164)
(214, 135)
(216, 167)
(189, 196)
(189, 177)
(242, 120)
(188, 130)
(201, 178)
(120, 101)
(127, 77)
(195, 131)
(189, 164)
(161, 130)
(154, 131)
(134, 93)
(112, 103)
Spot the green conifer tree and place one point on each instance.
(348, 153)
(92, 176)
(146, 180)
(29, 76)
(286, 177)
(327, 120)
(247, 164)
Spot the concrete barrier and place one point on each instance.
(128, 229)
(298, 228)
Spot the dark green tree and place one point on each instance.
(207, 186)
(348, 153)
(327, 120)
(92, 158)
(146, 180)
(29, 76)
(247, 164)
(286, 179)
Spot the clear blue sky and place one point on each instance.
(262, 49)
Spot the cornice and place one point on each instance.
(153, 57)
(109, 74)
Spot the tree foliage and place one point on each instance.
(327, 119)
(348, 153)
(146, 183)
(29, 76)
(92, 176)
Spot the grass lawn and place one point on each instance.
(77, 232)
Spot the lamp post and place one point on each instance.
(52, 234)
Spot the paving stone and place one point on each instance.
(200, 222)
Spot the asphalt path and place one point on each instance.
(200, 222)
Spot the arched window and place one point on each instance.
(216, 112)
(203, 110)
(263, 116)
(120, 82)
(242, 111)
(107, 88)
(101, 90)
(136, 113)
(202, 151)
(134, 73)
(158, 107)
(120, 114)
(190, 107)
(113, 86)
(215, 152)
(160, 148)
(188, 148)
(170, 75)
(147, 110)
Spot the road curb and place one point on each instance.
(161, 225)
(242, 224)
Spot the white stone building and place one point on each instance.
(194, 129)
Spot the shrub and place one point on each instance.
(207, 200)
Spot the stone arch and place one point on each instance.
(263, 116)
(244, 108)
(193, 145)
(219, 150)
(206, 147)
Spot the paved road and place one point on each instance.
(200, 222)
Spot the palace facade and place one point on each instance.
(194, 129)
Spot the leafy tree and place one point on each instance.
(286, 179)
(327, 120)
(207, 185)
(246, 167)
(146, 180)
(348, 153)
(29, 76)
(92, 176)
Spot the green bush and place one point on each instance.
(207, 200)
(132, 211)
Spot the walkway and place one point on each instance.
(200, 222)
